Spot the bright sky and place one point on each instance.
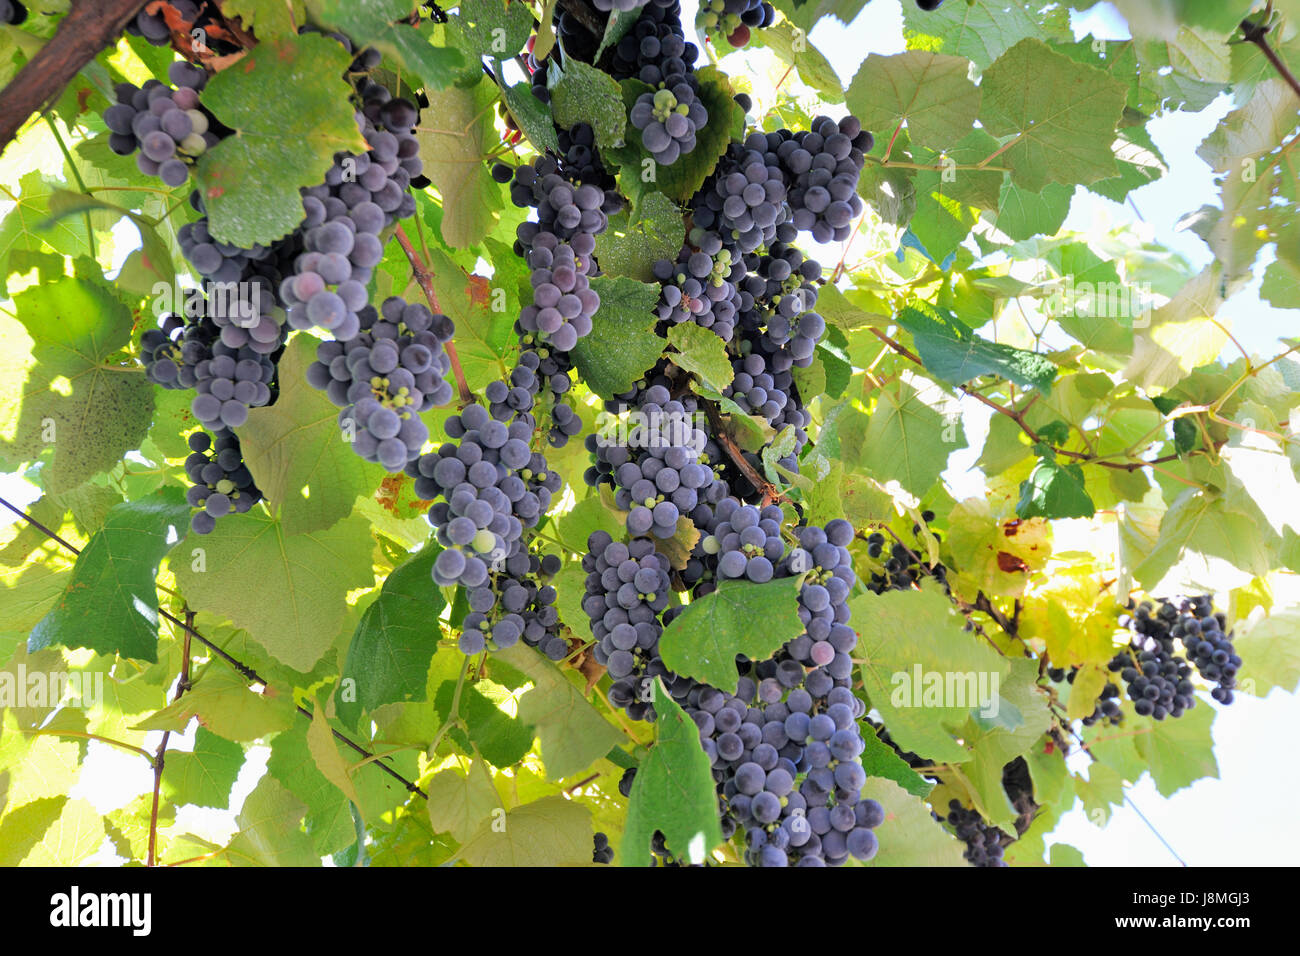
(1255, 830)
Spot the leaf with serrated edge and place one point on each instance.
(740, 617)
(551, 831)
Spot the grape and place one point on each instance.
(669, 118)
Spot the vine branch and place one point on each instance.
(424, 278)
(160, 758)
(727, 443)
(1257, 34)
(88, 28)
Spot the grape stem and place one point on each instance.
(1256, 33)
(768, 490)
(87, 29)
(160, 758)
(244, 670)
(424, 278)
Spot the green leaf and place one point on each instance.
(156, 257)
(484, 337)
(62, 388)
(573, 733)
(302, 463)
(634, 240)
(532, 116)
(791, 44)
(323, 749)
(490, 28)
(388, 658)
(1022, 214)
(305, 576)
(288, 104)
(908, 438)
(111, 601)
(377, 23)
(980, 29)
(1062, 114)
(204, 775)
(1270, 652)
(552, 831)
(1053, 490)
(1179, 752)
(909, 836)
(953, 353)
(1200, 523)
(459, 803)
(931, 92)
(223, 702)
(673, 792)
(584, 94)
(740, 617)
(74, 836)
(267, 18)
(880, 760)
(622, 344)
(617, 27)
(453, 142)
(702, 353)
(911, 643)
(269, 832)
(993, 556)
(22, 828)
(503, 740)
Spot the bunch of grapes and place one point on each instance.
(669, 118)
(823, 166)
(984, 842)
(221, 482)
(655, 48)
(733, 19)
(601, 852)
(702, 287)
(345, 215)
(382, 378)
(627, 591)
(168, 126)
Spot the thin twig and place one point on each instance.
(1255, 33)
(424, 278)
(764, 487)
(160, 758)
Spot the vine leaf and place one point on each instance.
(60, 387)
(932, 92)
(880, 760)
(377, 23)
(622, 343)
(1062, 114)
(223, 703)
(740, 617)
(909, 836)
(205, 775)
(302, 464)
(1179, 752)
(503, 740)
(459, 802)
(454, 137)
(583, 94)
(288, 104)
(303, 577)
(673, 792)
(111, 601)
(1270, 651)
(949, 350)
(388, 658)
(635, 239)
(573, 733)
(1053, 490)
(702, 353)
(551, 831)
(269, 832)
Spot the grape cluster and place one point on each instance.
(983, 841)
(668, 119)
(627, 591)
(221, 482)
(655, 48)
(702, 288)
(823, 165)
(734, 19)
(745, 199)
(168, 126)
(345, 215)
(1157, 677)
(601, 852)
(746, 540)
(760, 389)
(12, 12)
(384, 376)
(515, 603)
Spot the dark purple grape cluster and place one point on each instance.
(669, 119)
(345, 215)
(984, 842)
(516, 603)
(823, 166)
(382, 378)
(627, 591)
(221, 482)
(601, 852)
(746, 540)
(168, 126)
(655, 48)
(702, 287)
